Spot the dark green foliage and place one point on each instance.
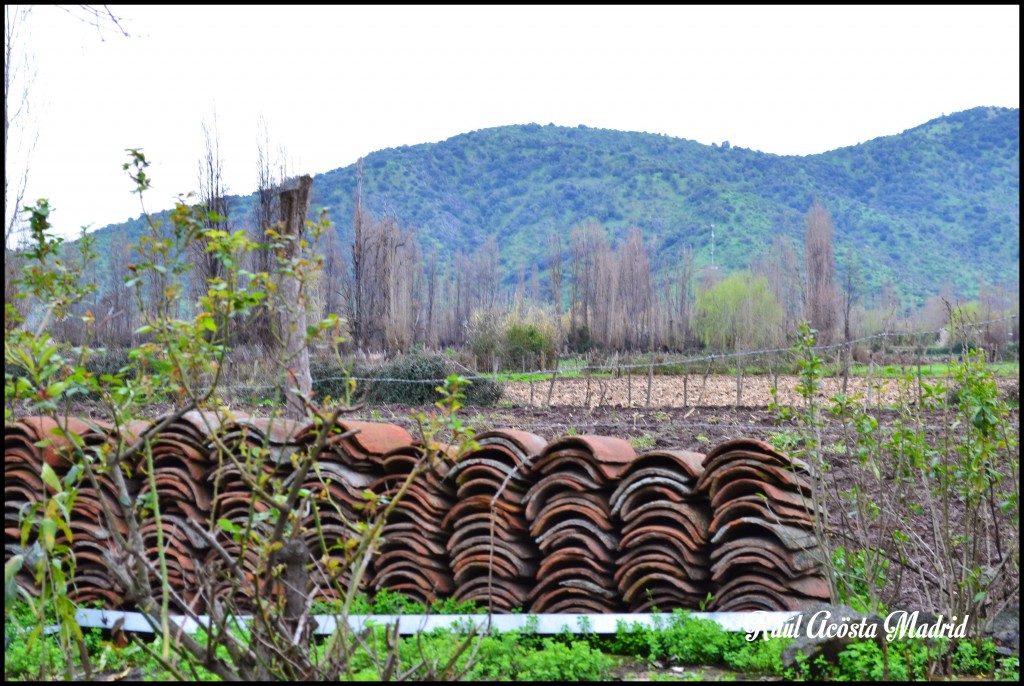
(578, 340)
(112, 361)
(331, 378)
(412, 380)
(524, 345)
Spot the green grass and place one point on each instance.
(933, 369)
(571, 374)
(570, 368)
(642, 443)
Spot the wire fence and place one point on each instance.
(617, 365)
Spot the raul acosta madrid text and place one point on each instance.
(899, 624)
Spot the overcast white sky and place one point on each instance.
(335, 83)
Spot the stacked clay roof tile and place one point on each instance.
(413, 557)
(662, 557)
(494, 557)
(570, 518)
(580, 525)
(764, 552)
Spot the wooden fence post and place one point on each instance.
(871, 372)
(588, 381)
(739, 382)
(650, 381)
(551, 388)
(629, 385)
(919, 374)
(846, 365)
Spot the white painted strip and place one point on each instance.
(546, 624)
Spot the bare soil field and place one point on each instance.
(694, 390)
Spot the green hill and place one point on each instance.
(937, 203)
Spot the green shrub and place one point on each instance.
(579, 341)
(683, 638)
(332, 379)
(559, 662)
(413, 379)
(1008, 669)
(525, 345)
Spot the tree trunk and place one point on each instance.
(294, 207)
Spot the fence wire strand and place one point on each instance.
(711, 357)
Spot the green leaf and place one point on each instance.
(47, 533)
(11, 569)
(50, 478)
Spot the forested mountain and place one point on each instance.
(936, 204)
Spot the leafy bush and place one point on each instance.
(579, 340)
(683, 638)
(526, 345)
(333, 379)
(762, 657)
(413, 379)
(559, 662)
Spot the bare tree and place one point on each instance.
(266, 215)
(99, 17)
(534, 287)
(19, 76)
(19, 138)
(430, 335)
(117, 313)
(334, 274)
(488, 274)
(819, 263)
(678, 301)
(213, 198)
(851, 291)
(361, 286)
(387, 271)
(519, 295)
(782, 269)
(636, 300)
(603, 302)
(555, 250)
(584, 243)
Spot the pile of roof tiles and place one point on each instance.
(493, 555)
(248, 451)
(764, 555)
(342, 481)
(579, 525)
(33, 442)
(413, 557)
(663, 558)
(570, 518)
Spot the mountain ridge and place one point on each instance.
(935, 204)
